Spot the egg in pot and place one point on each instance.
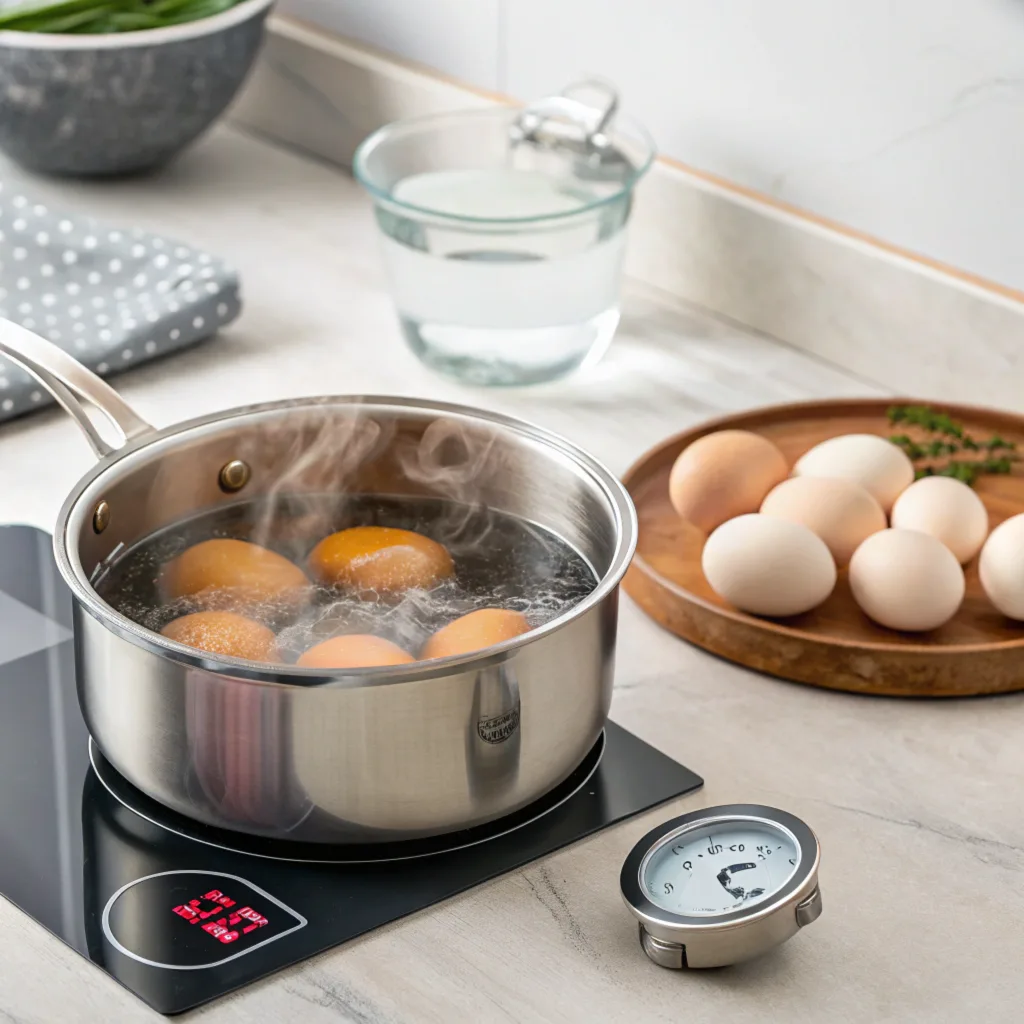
(722, 475)
(474, 632)
(225, 633)
(906, 580)
(1001, 567)
(947, 509)
(866, 459)
(840, 512)
(224, 573)
(768, 566)
(355, 650)
(380, 559)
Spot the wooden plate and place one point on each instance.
(836, 646)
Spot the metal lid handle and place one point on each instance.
(568, 120)
(72, 385)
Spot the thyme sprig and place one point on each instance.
(952, 440)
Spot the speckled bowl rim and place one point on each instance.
(121, 40)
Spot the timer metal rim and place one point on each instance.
(677, 927)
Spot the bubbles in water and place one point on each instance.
(501, 562)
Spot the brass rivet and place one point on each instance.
(101, 517)
(234, 476)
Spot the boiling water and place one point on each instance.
(501, 561)
(528, 302)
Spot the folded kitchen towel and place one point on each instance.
(111, 297)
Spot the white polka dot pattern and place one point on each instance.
(112, 298)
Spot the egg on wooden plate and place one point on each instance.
(225, 633)
(876, 464)
(225, 573)
(474, 632)
(947, 509)
(355, 650)
(840, 512)
(768, 566)
(381, 560)
(723, 475)
(906, 580)
(1001, 567)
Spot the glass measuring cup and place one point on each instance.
(504, 232)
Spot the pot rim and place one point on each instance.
(126, 40)
(70, 566)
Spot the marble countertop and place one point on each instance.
(916, 804)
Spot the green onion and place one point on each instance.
(100, 16)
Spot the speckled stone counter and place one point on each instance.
(917, 805)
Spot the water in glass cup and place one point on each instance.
(504, 233)
(526, 304)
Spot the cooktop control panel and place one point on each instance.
(191, 920)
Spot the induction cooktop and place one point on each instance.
(181, 913)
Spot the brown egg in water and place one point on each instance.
(224, 633)
(474, 632)
(381, 560)
(225, 573)
(355, 650)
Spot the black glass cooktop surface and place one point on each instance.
(181, 913)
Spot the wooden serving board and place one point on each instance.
(979, 652)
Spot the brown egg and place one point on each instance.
(724, 475)
(842, 513)
(474, 632)
(354, 651)
(224, 633)
(234, 574)
(380, 559)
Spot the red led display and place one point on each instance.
(226, 927)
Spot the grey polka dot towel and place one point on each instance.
(110, 297)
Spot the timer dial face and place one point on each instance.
(719, 868)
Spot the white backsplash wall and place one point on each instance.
(902, 120)
(459, 37)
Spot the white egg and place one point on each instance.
(1001, 567)
(906, 580)
(866, 459)
(768, 566)
(947, 509)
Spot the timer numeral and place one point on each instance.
(737, 847)
(226, 928)
(792, 860)
(714, 848)
(687, 865)
(216, 896)
(256, 920)
(220, 931)
(668, 888)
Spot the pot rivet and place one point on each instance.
(234, 476)
(101, 517)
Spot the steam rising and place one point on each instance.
(347, 470)
(320, 461)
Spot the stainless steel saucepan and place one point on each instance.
(330, 756)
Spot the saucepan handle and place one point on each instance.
(72, 385)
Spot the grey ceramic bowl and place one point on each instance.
(124, 102)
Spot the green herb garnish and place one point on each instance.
(952, 440)
(94, 17)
